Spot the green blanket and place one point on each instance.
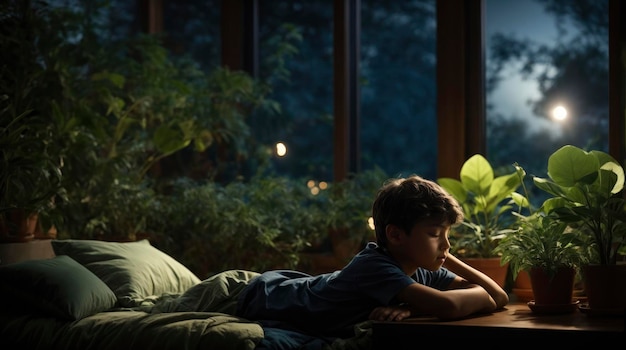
(201, 318)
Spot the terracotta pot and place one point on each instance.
(522, 288)
(605, 286)
(18, 226)
(491, 267)
(553, 290)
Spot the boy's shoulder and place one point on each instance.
(372, 256)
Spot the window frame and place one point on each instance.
(460, 74)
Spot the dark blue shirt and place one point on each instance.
(331, 304)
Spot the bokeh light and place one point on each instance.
(281, 149)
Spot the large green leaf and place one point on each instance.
(454, 187)
(612, 177)
(477, 175)
(569, 165)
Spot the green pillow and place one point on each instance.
(59, 287)
(134, 271)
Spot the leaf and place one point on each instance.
(570, 165)
(477, 175)
(612, 177)
(168, 140)
(454, 187)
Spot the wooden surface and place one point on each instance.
(16, 252)
(516, 322)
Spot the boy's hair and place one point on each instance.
(406, 201)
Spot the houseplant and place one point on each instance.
(30, 166)
(112, 109)
(550, 253)
(586, 189)
(488, 202)
(30, 177)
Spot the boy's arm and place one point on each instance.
(474, 276)
(447, 304)
(471, 292)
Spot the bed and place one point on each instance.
(112, 295)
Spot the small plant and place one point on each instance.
(541, 242)
(488, 203)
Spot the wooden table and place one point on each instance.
(516, 324)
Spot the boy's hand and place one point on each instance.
(390, 313)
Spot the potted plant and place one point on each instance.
(488, 202)
(113, 110)
(30, 167)
(30, 177)
(586, 189)
(551, 254)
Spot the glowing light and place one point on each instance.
(281, 149)
(315, 188)
(559, 113)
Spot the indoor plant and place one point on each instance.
(488, 202)
(30, 176)
(550, 253)
(113, 110)
(30, 165)
(586, 189)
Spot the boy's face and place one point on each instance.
(426, 246)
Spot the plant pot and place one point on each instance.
(605, 287)
(522, 288)
(18, 226)
(491, 267)
(552, 290)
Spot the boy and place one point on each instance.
(408, 271)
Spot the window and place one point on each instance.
(192, 28)
(547, 73)
(296, 57)
(398, 120)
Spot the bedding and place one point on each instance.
(59, 287)
(134, 271)
(105, 295)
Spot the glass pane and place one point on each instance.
(192, 28)
(544, 57)
(398, 93)
(296, 58)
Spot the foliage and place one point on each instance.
(112, 110)
(259, 224)
(541, 242)
(30, 177)
(586, 189)
(211, 227)
(30, 167)
(488, 202)
(350, 202)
